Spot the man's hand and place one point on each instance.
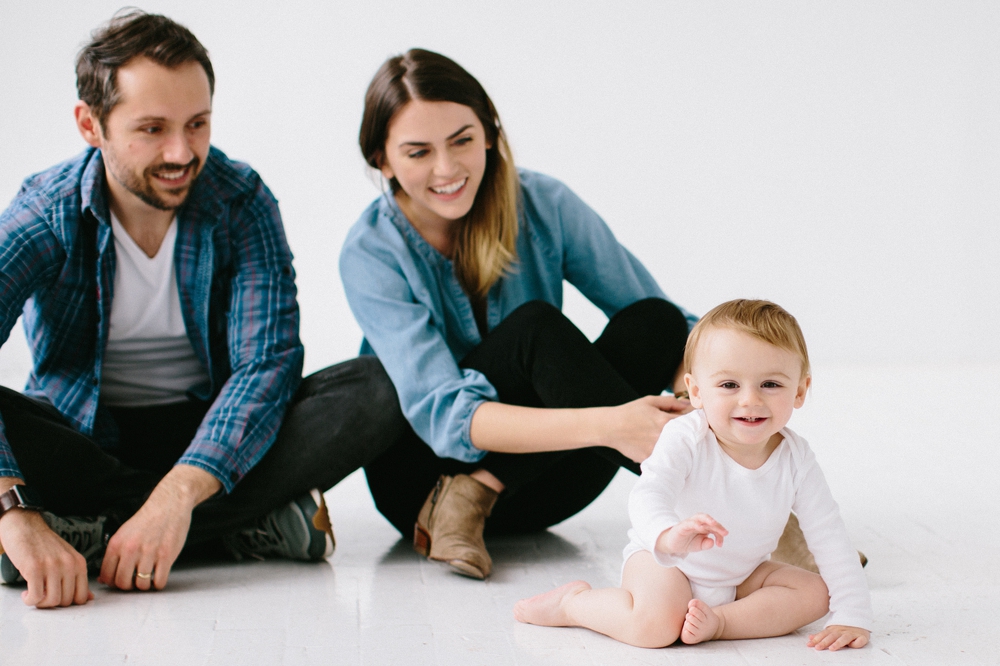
(697, 533)
(150, 541)
(56, 574)
(634, 428)
(837, 636)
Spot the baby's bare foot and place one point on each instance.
(700, 624)
(548, 609)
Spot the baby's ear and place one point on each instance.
(694, 394)
(803, 388)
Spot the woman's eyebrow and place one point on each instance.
(447, 138)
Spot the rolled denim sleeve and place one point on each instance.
(262, 336)
(593, 260)
(437, 397)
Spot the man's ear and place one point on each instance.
(87, 124)
(694, 394)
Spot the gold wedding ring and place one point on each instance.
(145, 576)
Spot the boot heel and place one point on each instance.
(421, 540)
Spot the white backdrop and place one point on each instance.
(842, 159)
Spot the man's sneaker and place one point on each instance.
(300, 530)
(86, 535)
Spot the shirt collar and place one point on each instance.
(93, 189)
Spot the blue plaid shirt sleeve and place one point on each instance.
(30, 257)
(265, 354)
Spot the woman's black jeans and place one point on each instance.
(536, 357)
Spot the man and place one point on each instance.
(159, 300)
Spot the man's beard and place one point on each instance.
(142, 187)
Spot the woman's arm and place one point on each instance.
(631, 428)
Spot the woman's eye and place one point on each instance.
(417, 153)
(461, 141)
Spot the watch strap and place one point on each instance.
(19, 497)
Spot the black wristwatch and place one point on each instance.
(19, 497)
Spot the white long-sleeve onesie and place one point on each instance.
(689, 473)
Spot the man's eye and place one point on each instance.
(152, 130)
(198, 124)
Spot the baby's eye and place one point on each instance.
(729, 385)
(770, 385)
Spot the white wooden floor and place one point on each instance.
(911, 453)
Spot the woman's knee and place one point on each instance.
(535, 314)
(659, 315)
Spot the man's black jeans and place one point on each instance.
(341, 418)
(538, 358)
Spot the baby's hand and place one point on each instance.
(692, 535)
(837, 636)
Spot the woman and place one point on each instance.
(455, 276)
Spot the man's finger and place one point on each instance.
(82, 592)
(109, 566)
(53, 590)
(36, 590)
(144, 573)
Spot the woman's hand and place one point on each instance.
(634, 427)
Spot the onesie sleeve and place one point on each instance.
(828, 541)
(652, 501)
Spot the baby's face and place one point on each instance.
(747, 387)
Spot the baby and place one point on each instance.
(711, 504)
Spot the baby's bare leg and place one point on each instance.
(775, 600)
(646, 611)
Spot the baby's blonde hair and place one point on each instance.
(763, 320)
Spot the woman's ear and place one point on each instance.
(383, 166)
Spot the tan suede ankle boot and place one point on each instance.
(450, 525)
(792, 548)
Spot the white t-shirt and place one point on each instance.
(149, 359)
(688, 473)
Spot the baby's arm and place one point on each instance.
(837, 636)
(653, 499)
(827, 538)
(697, 533)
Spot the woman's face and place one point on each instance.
(436, 151)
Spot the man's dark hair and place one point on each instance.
(129, 34)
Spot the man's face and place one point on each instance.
(156, 139)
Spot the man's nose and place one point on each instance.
(176, 149)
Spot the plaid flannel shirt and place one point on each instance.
(237, 293)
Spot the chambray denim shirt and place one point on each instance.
(419, 322)
(237, 293)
